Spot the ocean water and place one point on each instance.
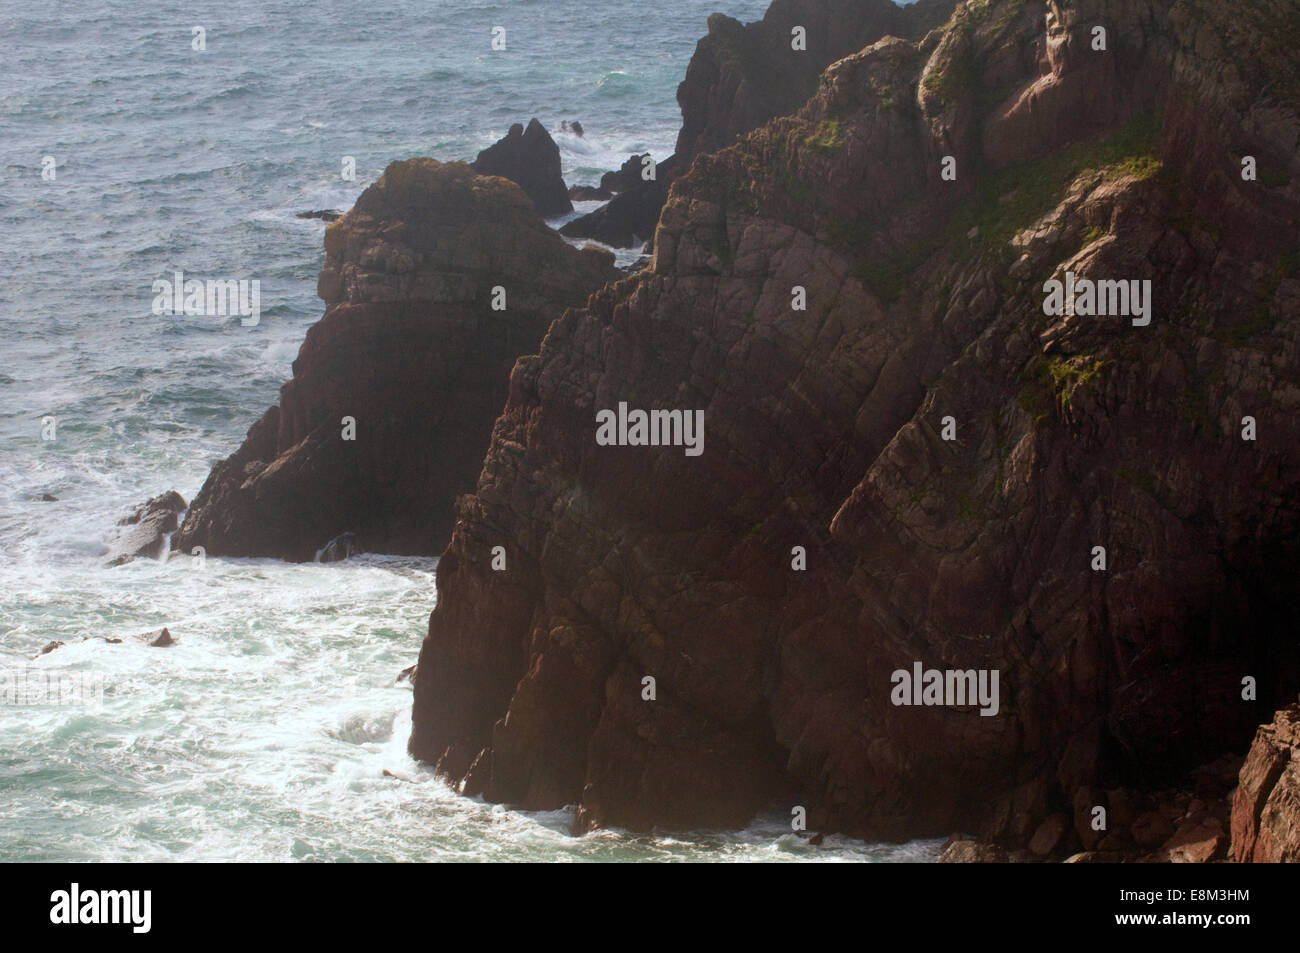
(266, 732)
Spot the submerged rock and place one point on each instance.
(325, 215)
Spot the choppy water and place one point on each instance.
(264, 734)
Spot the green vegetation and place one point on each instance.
(1092, 234)
(825, 137)
(1009, 200)
(1053, 379)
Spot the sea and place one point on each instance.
(138, 139)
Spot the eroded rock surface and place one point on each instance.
(412, 352)
(824, 431)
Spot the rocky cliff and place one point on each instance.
(907, 460)
(1266, 809)
(394, 391)
(744, 74)
(740, 76)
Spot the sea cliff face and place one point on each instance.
(415, 349)
(946, 456)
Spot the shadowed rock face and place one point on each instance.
(1266, 810)
(530, 158)
(824, 431)
(743, 75)
(411, 348)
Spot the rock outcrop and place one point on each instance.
(145, 531)
(629, 218)
(1266, 810)
(741, 76)
(907, 460)
(394, 391)
(530, 158)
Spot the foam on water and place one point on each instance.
(265, 733)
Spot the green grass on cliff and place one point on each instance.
(1051, 380)
(825, 137)
(1011, 199)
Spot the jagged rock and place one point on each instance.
(629, 219)
(573, 126)
(146, 529)
(325, 214)
(51, 646)
(408, 674)
(972, 852)
(159, 638)
(530, 158)
(1266, 809)
(627, 176)
(412, 351)
(824, 433)
(1196, 842)
(743, 75)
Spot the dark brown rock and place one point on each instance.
(972, 852)
(1048, 837)
(824, 432)
(629, 219)
(159, 638)
(627, 176)
(1266, 809)
(743, 75)
(1196, 842)
(411, 349)
(530, 158)
(1151, 830)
